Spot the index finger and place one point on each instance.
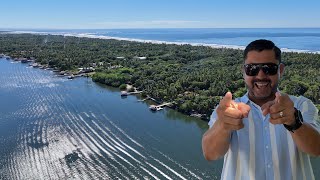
(278, 97)
(266, 107)
(226, 101)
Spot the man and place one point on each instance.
(265, 134)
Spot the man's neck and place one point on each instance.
(261, 101)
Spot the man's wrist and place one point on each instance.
(222, 128)
(291, 117)
(298, 121)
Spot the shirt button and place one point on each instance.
(269, 166)
(267, 146)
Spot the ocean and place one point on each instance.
(288, 39)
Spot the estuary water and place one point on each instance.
(55, 128)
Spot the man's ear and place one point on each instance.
(281, 69)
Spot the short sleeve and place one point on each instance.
(213, 117)
(309, 112)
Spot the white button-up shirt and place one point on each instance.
(262, 150)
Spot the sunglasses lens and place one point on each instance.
(251, 69)
(270, 69)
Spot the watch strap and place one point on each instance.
(298, 121)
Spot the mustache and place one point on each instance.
(261, 80)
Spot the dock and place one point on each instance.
(125, 93)
(148, 97)
(159, 107)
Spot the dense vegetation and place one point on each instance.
(194, 77)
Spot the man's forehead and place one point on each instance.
(261, 56)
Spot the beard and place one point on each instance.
(262, 90)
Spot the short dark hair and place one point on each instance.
(260, 45)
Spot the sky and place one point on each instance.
(114, 14)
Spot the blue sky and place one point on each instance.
(92, 14)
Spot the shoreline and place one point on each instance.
(95, 36)
(148, 97)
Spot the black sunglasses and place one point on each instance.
(267, 68)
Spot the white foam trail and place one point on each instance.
(114, 160)
(95, 143)
(189, 171)
(123, 159)
(95, 133)
(152, 175)
(129, 155)
(173, 171)
(132, 149)
(93, 115)
(129, 147)
(123, 132)
(92, 167)
(33, 165)
(83, 143)
(162, 173)
(86, 114)
(106, 134)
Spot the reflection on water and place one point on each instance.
(174, 115)
(55, 128)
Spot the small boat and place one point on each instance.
(71, 76)
(155, 108)
(159, 108)
(35, 65)
(124, 93)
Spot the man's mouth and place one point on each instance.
(260, 85)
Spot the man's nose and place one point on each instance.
(261, 74)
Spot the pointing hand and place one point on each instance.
(230, 114)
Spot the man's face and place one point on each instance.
(262, 87)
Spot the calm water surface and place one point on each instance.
(54, 128)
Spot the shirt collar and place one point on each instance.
(245, 98)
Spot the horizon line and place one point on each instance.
(38, 28)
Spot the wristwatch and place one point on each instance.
(298, 121)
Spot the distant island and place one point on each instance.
(193, 78)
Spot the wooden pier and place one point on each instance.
(159, 107)
(125, 93)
